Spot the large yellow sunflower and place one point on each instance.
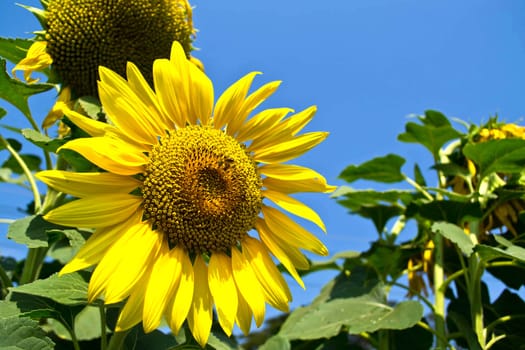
(178, 207)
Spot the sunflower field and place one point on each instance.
(168, 212)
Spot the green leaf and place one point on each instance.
(385, 169)
(87, 325)
(454, 234)
(91, 106)
(380, 214)
(366, 313)
(8, 309)
(31, 231)
(355, 199)
(418, 176)
(276, 342)
(497, 156)
(23, 334)
(433, 134)
(15, 144)
(6, 175)
(42, 141)
(452, 169)
(449, 210)
(17, 92)
(32, 162)
(3, 112)
(511, 252)
(69, 289)
(14, 50)
(64, 249)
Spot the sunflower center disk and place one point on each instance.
(201, 189)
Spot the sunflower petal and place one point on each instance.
(170, 91)
(269, 242)
(287, 150)
(248, 285)
(244, 315)
(292, 232)
(163, 278)
(275, 288)
(131, 313)
(125, 263)
(87, 184)
(262, 124)
(294, 206)
(111, 154)
(95, 212)
(251, 102)
(200, 316)
(91, 126)
(231, 100)
(125, 109)
(287, 178)
(201, 96)
(223, 290)
(183, 293)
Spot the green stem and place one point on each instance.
(27, 173)
(494, 340)
(429, 329)
(7, 221)
(5, 281)
(419, 188)
(117, 340)
(33, 264)
(476, 269)
(501, 320)
(103, 334)
(439, 293)
(416, 293)
(451, 278)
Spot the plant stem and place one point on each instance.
(33, 264)
(439, 293)
(103, 334)
(27, 173)
(5, 282)
(476, 269)
(117, 340)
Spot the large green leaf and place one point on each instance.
(276, 342)
(31, 231)
(510, 251)
(42, 141)
(455, 234)
(380, 214)
(17, 92)
(14, 50)
(69, 289)
(87, 325)
(23, 334)
(382, 169)
(360, 314)
(433, 134)
(497, 156)
(355, 199)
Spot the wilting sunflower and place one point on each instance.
(179, 205)
(80, 35)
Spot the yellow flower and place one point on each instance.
(81, 35)
(56, 112)
(36, 59)
(179, 206)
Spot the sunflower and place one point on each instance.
(80, 35)
(179, 206)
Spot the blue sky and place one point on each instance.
(366, 64)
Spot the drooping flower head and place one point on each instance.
(182, 206)
(81, 35)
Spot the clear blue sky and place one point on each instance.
(366, 64)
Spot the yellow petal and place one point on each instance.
(90, 126)
(294, 206)
(251, 102)
(145, 93)
(223, 290)
(87, 184)
(248, 285)
(125, 263)
(95, 247)
(244, 315)
(287, 150)
(95, 212)
(292, 233)
(126, 110)
(164, 277)
(111, 154)
(275, 288)
(231, 100)
(261, 125)
(183, 293)
(286, 178)
(268, 240)
(201, 96)
(131, 313)
(37, 59)
(170, 91)
(200, 316)
(284, 131)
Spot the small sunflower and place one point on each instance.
(81, 35)
(179, 205)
